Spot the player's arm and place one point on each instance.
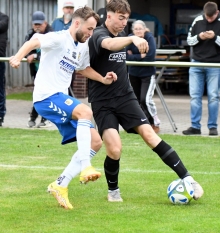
(118, 43)
(92, 74)
(23, 51)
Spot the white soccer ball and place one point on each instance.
(180, 192)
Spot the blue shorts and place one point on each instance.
(58, 109)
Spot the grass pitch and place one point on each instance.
(31, 159)
(20, 96)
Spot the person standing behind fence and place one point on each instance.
(39, 25)
(204, 38)
(64, 23)
(142, 78)
(4, 19)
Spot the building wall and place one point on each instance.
(20, 17)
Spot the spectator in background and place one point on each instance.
(3, 44)
(142, 78)
(39, 25)
(204, 37)
(64, 22)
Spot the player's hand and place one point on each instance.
(30, 58)
(14, 62)
(109, 78)
(141, 44)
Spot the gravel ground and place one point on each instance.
(12, 90)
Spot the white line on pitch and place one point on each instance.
(122, 170)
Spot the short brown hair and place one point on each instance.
(85, 13)
(120, 6)
(210, 8)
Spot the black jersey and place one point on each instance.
(205, 50)
(103, 61)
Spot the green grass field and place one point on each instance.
(31, 159)
(20, 96)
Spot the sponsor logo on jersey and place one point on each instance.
(68, 102)
(65, 66)
(70, 60)
(118, 57)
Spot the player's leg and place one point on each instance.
(89, 174)
(59, 188)
(58, 109)
(168, 156)
(83, 114)
(113, 146)
(108, 127)
(132, 117)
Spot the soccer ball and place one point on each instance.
(180, 192)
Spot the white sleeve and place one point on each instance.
(50, 40)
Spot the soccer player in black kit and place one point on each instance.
(117, 104)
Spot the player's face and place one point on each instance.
(118, 21)
(85, 30)
(138, 30)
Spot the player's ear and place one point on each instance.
(77, 23)
(109, 15)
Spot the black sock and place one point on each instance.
(171, 159)
(111, 168)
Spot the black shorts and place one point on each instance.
(123, 110)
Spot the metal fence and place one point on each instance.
(20, 16)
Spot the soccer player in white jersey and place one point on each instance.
(62, 53)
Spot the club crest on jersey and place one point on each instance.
(68, 102)
(79, 55)
(68, 51)
(74, 55)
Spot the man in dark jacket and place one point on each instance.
(3, 43)
(42, 27)
(204, 38)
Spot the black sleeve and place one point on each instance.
(98, 36)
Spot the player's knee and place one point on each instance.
(82, 111)
(115, 152)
